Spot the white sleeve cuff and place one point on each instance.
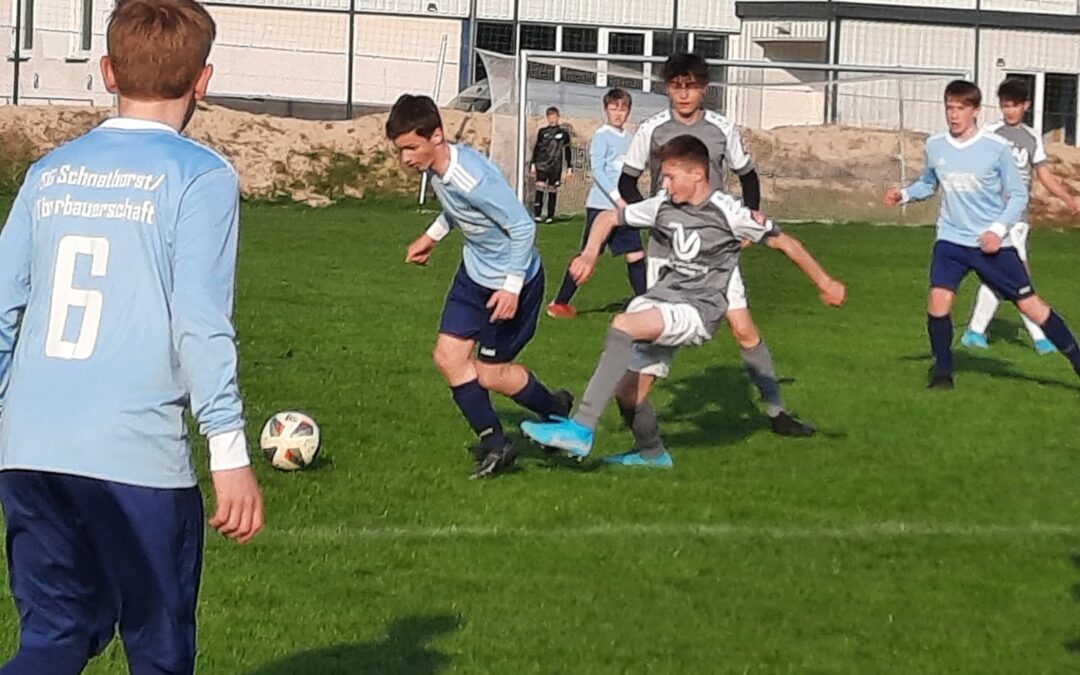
(228, 450)
(999, 229)
(904, 196)
(514, 283)
(615, 196)
(439, 229)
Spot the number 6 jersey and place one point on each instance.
(117, 265)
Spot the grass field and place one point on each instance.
(919, 532)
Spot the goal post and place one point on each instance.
(794, 115)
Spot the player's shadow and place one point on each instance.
(611, 308)
(1073, 645)
(1010, 332)
(965, 360)
(404, 650)
(711, 407)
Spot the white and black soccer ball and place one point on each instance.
(290, 440)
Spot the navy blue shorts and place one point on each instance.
(1003, 271)
(623, 239)
(85, 555)
(466, 316)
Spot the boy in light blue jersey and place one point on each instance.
(984, 197)
(607, 149)
(494, 301)
(116, 288)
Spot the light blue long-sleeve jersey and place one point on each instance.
(500, 235)
(607, 150)
(117, 270)
(983, 190)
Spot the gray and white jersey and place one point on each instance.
(704, 243)
(1027, 148)
(718, 133)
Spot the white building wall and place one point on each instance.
(398, 54)
(877, 103)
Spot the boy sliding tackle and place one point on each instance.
(984, 196)
(705, 230)
(1014, 98)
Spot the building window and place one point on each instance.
(493, 36)
(661, 43)
(580, 40)
(86, 25)
(713, 47)
(626, 44)
(539, 37)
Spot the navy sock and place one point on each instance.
(475, 404)
(1058, 333)
(636, 271)
(940, 329)
(567, 290)
(552, 198)
(536, 397)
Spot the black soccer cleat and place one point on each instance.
(496, 462)
(941, 382)
(565, 399)
(786, 425)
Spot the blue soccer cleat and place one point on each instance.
(561, 433)
(1044, 347)
(974, 340)
(662, 461)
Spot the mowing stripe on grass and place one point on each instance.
(884, 530)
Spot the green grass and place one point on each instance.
(919, 532)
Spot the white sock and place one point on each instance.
(1033, 329)
(986, 304)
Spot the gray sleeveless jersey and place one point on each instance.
(705, 241)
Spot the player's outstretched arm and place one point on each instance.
(15, 254)
(583, 264)
(419, 252)
(923, 188)
(204, 270)
(1056, 187)
(831, 291)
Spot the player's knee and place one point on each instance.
(940, 302)
(745, 333)
(447, 359)
(623, 322)
(491, 375)
(1034, 308)
(635, 256)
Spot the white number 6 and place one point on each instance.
(65, 296)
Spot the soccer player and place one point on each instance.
(686, 77)
(551, 151)
(984, 197)
(704, 229)
(495, 299)
(606, 152)
(1028, 152)
(117, 268)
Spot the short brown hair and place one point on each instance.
(158, 47)
(552, 111)
(685, 64)
(685, 148)
(413, 113)
(967, 92)
(616, 95)
(1014, 90)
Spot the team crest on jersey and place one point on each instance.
(1021, 157)
(685, 245)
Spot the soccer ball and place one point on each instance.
(290, 440)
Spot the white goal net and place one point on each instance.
(826, 140)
